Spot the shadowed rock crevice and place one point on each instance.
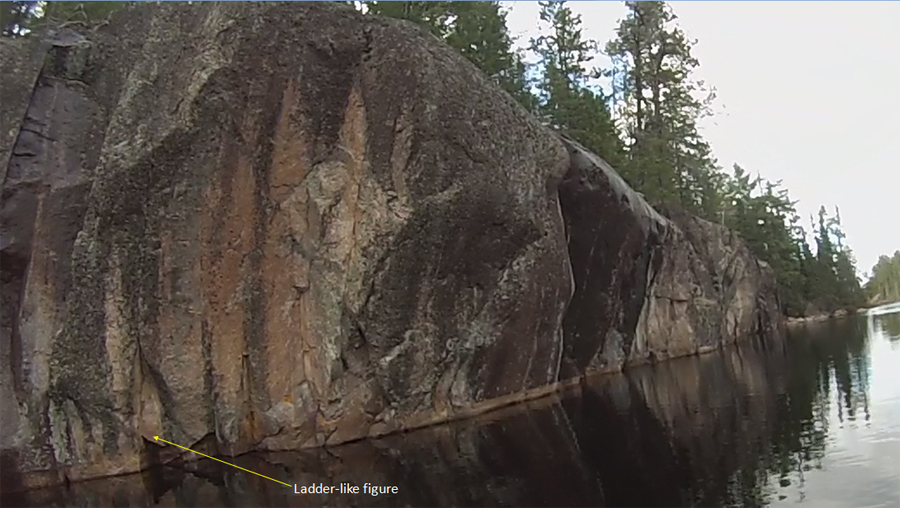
(650, 286)
(52, 134)
(613, 236)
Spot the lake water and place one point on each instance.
(815, 422)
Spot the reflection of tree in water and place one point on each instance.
(850, 365)
(732, 429)
(822, 360)
(889, 326)
(741, 430)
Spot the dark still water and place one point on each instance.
(815, 422)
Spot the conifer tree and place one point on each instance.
(567, 101)
(883, 285)
(477, 30)
(667, 158)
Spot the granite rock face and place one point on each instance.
(707, 291)
(597, 445)
(651, 286)
(281, 248)
(55, 123)
(274, 226)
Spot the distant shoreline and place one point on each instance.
(839, 313)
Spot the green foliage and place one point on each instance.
(19, 18)
(660, 106)
(667, 158)
(647, 128)
(477, 30)
(762, 213)
(565, 101)
(883, 285)
(435, 16)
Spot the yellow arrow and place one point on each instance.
(222, 461)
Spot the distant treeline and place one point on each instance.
(884, 283)
(646, 127)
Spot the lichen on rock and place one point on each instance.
(272, 226)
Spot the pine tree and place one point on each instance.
(763, 214)
(434, 16)
(848, 290)
(883, 285)
(668, 159)
(480, 33)
(567, 102)
(656, 103)
(477, 30)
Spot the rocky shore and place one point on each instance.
(271, 226)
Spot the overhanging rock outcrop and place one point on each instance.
(270, 226)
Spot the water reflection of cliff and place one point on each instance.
(722, 429)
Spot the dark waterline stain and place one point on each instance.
(816, 422)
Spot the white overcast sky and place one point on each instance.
(808, 93)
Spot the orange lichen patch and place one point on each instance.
(353, 140)
(228, 239)
(285, 272)
(40, 308)
(290, 155)
(250, 428)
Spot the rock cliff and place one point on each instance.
(651, 286)
(599, 444)
(274, 226)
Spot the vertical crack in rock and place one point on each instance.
(258, 226)
(645, 285)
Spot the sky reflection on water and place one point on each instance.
(861, 465)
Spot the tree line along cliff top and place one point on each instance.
(653, 143)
